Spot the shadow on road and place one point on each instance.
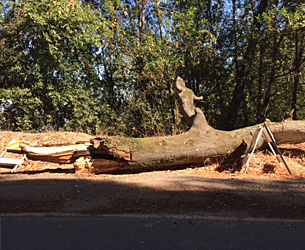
(153, 193)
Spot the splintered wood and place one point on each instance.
(91, 156)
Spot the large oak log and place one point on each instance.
(201, 141)
(109, 154)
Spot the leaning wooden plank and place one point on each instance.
(59, 154)
(52, 150)
(61, 157)
(10, 162)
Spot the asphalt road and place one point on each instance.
(155, 232)
(157, 210)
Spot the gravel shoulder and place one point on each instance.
(162, 192)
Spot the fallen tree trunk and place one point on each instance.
(199, 143)
(205, 142)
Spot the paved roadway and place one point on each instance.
(149, 232)
(150, 211)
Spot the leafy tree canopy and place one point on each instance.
(109, 66)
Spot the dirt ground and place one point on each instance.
(217, 188)
(263, 165)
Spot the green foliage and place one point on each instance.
(110, 66)
(47, 55)
(22, 109)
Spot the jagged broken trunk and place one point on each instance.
(83, 155)
(115, 154)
